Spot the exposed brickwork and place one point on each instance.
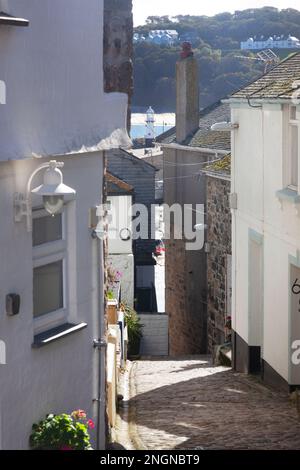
(219, 238)
(118, 49)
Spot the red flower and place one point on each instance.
(66, 448)
(91, 424)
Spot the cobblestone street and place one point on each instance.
(188, 404)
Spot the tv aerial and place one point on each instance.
(267, 56)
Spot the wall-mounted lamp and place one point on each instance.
(97, 222)
(53, 192)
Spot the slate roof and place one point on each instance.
(204, 137)
(277, 83)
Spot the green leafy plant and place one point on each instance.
(134, 328)
(110, 295)
(62, 432)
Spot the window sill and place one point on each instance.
(55, 334)
(288, 194)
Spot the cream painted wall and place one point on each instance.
(257, 174)
(64, 375)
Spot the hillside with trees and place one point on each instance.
(216, 44)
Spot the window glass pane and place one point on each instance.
(48, 288)
(46, 229)
(293, 112)
(294, 155)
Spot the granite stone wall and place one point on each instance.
(219, 239)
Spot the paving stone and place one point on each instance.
(185, 403)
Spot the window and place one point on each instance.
(292, 148)
(49, 268)
(48, 288)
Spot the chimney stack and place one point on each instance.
(187, 94)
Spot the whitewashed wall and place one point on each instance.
(125, 264)
(257, 174)
(53, 70)
(64, 375)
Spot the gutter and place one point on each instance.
(257, 100)
(195, 149)
(214, 174)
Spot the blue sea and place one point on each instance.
(139, 130)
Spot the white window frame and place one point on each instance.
(288, 123)
(48, 253)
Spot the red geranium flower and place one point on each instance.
(91, 424)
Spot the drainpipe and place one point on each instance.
(100, 344)
(101, 436)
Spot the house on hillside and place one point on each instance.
(53, 138)
(266, 225)
(187, 149)
(273, 42)
(166, 37)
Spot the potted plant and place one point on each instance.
(62, 432)
(113, 283)
(134, 329)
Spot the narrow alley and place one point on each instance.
(185, 403)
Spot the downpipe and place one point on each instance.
(101, 345)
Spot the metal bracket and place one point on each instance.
(100, 343)
(233, 201)
(21, 207)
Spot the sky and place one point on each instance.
(144, 8)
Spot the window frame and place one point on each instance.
(42, 255)
(289, 123)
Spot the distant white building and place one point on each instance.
(165, 37)
(275, 42)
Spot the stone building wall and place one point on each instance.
(118, 48)
(186, 282)
(219, 239)
(185, 299)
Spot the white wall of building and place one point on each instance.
(124, 263)
(61, 376)
(120, 225)
(119, 247)
(53, 71)
(257, 174)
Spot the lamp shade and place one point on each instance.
(53, 185)
(53, 190)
